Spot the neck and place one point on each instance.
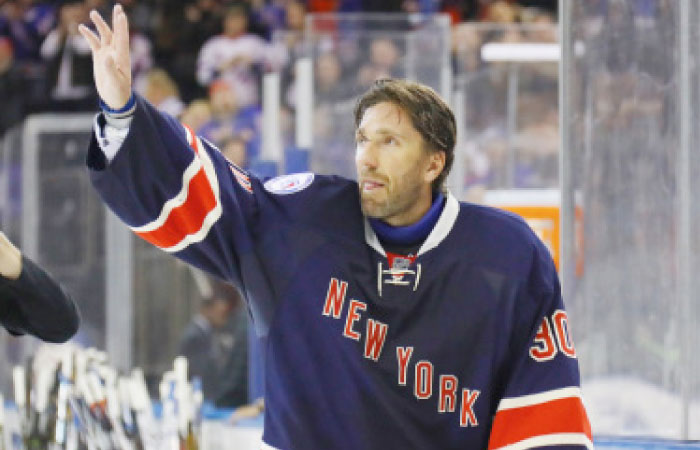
(416, 232)
(415, 213)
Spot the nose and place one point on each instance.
(366, 156)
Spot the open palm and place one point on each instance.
(110, 57)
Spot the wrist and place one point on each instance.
(125, 110)
(10, 262)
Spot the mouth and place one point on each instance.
(371, 185)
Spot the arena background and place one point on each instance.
(585, 124)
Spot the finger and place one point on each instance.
(91, 38)
(121, 30)
(102, 28)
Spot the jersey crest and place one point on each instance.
(399, 265)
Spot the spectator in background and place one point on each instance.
(234, 149)
(466, 48)
(291, 35)
(26, 25)
(230, 120)
(383, 63)
(237, 56)
(104, 7)
(142, 17)
(500, 11)
(215, 343)
(546, 25)
(189, 25)
(161, 91)
(12, 88)
(294, 24)
(329, 87)
(140, 46)
(267, 16)
(196, 114)
(550, 6)
(460, 10)
(69, 63)
(233, 381)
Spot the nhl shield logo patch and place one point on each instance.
(289, 184)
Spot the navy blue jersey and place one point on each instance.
(465, 346)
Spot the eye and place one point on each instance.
(389, 140)
(360, 139)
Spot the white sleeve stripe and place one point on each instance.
(550, 440)
(542, 397)
(188, 134)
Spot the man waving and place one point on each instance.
(395, 316)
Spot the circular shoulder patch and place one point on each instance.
(289, 184)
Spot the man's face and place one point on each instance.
(223, 101)
(235, 24)
(218, 313)
(394, 170)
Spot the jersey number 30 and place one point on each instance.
(552, 338)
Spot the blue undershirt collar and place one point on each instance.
(410, 234)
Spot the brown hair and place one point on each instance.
(429, 114)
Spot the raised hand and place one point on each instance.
(110, 57)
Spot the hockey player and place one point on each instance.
(31, 302)
(396, 317)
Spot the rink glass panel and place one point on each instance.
(350, 51)
(506, 103)
(50, 210)
(630, 155)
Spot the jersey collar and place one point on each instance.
(409, 234)
(444, 225)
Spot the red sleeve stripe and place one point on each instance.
(525, 422)
(553, 440)
(188, 216)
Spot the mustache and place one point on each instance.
(374, 176)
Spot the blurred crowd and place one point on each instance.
(203, 60)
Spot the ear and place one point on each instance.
(436, 163)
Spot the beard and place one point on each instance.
(392, 199)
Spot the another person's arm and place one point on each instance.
(31, 302)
